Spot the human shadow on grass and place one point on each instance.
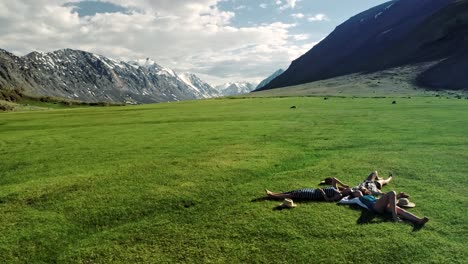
(259, 199)
(367, 217)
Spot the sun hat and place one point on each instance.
(405, 202)
(288, 203)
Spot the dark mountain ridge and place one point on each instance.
(396, 33)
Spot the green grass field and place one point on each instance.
(174, 183)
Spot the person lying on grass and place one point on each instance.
(336, 192)
(387, 203)
(373, 183)
(329, 194)
(372, 180)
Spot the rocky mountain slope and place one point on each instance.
(200, 88)
(90, 77)
(397, 33)
(269, 79)
(234, 88)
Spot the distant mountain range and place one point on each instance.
(397, 33)
(90, 77)
(269, 79)
(233, 88)
(200, 88)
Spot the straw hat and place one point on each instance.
(404, 202)
(288, 203)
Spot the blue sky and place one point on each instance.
(219, 40)
(254, 12)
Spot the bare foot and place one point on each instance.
(390, 176)
(402, 195)
(268, 192)
(423, 221)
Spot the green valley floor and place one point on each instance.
(177, 182)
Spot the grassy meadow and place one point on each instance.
(177, 182)
(393, 82)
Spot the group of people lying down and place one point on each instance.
(364, 195)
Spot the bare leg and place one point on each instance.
(411, 217)
(373, 176)
(387, 203)
(383, 182)
(278, 196)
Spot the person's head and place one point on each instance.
(360, 192)
(364, 191)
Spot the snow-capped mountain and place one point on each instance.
(90, 77)
(199, 87)
(269, 79)
(233, 88)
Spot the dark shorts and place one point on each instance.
(377, 184)
(371, 208)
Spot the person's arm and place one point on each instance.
(378, 193)
(336, 181)
(348, 200)
(357, 194)
(325, 196)
(336, 197)
(399, 195)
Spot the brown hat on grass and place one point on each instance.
(405, 202)
(287, 203)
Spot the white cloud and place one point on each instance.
(289, 4)
(318, 17)
(278, 2)
(298, 15)
(187, 35)
(300, 37)
(263, 5)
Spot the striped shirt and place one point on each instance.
(312, 194)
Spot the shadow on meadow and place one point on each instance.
(366, 217)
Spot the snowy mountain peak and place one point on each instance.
(233, 88)
(92, 77)
(145, 63)
(198, 86)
